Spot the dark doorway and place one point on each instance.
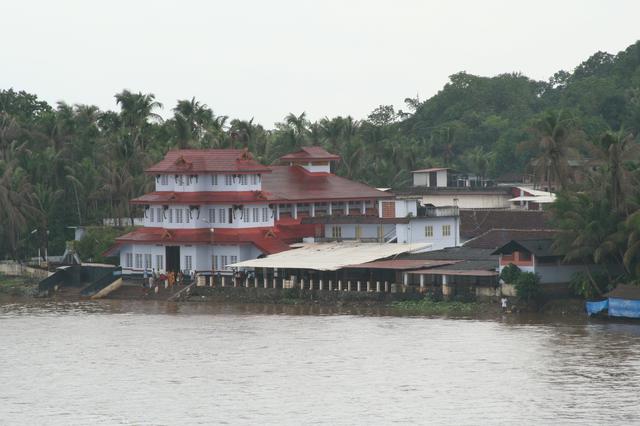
(433, 179)
(173, 258)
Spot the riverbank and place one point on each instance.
(18, 286)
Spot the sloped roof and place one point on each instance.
(496, 238)
(310, 153)
(330, 256)
(169, 197)
(401, 264)
(542, 247)
(475, 222)
(432, 169)
(263, 238)
(294, 183)
(207, 161)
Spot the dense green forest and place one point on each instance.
(67, 165)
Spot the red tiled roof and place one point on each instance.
(195, 198)
(208, 160)
(263, 238)
(294, 183)
(310, 153)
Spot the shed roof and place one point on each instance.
(538, 247)
(496, 238)
(401, 264)
(330, 256)
(475, 222)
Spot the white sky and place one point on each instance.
(267, 58)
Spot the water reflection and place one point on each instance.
(128, 362)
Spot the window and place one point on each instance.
(178, 215)
(254, 179)
(170, 215)
(223, 262)
(128, 260)
(147, 261)
(524, 255)
(243, 179)
(139, 260)
(212, 215)
(245, 215)
(446, 230)
(159, 211)
(151, 215)
(187, 263)
(214, 263)
(336, 231)
(256, 214)
(358, 232)
(164, 180)
(234, 259)
(187, 215)
(159, 262)
(214, 180)
(265, 214)
(428, 231)
(228, 180)
(222, 217)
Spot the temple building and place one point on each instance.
(214, 208)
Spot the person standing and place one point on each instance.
(504, 302)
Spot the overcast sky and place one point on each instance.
(267, 58)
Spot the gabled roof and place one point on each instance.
(196, 198)
(538, 247)
(208, 161)
(309, 153)
(294, 183)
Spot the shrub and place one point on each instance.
(528, 286)
(582, 286)
(510, 274)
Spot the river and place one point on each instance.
(146, 363)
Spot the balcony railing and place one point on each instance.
(438, 211)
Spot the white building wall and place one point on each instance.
(317, 168)
(414, 232)
(469, 200)
(441, 178)
(407, 207)
(205, 182)
(420, 179)
(201, 219)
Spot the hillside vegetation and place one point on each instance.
(68, 165)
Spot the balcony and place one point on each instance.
(447, 211)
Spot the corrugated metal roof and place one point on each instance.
(402, 264)
(330, 256)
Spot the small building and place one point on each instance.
(530, 199)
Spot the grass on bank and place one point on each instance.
(17, 286)
(429, 307)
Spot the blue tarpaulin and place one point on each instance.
(624, 308)
(597, 307)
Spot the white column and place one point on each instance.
(339, 285)
(255, 282)
(223, 280)
(386, 286)
(378, 286)
(277, 211)
(348, 285)
(310, 283)
(266, 282)
(294, 210)
(320, 284)
(246, 282)
(330, 285)
(405, 278)
(274, 282)
(312, 213)
(364, 207)
(358, 286)
(368, 286)
(302, 283)
(421, 281)
(346, 208)
(329, 210)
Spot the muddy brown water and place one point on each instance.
(153, 363)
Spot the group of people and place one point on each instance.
(152, 280)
